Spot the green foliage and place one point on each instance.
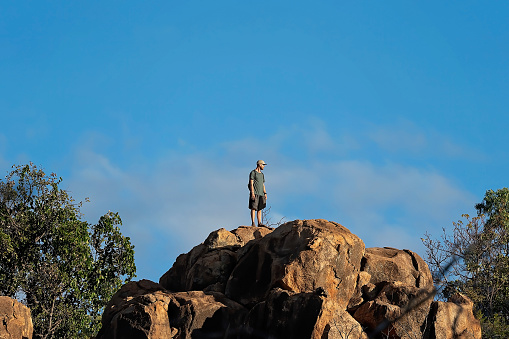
(60, 266)
(493, 270)
(481, 269)
(494, 327)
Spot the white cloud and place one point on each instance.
(174, 194)
(183, 197)
(317, 138)
(373, 200)
(406, 138)
(404, 200)
(403, 135)
(393, 184)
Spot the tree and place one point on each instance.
(478, 251)
(63, 268)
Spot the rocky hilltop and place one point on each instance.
(305, 279)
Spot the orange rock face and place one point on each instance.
(15, 320)
(390, 264)
(299, 256)
(390, 304)
(144, 309)
(454, 319)
(208, 265)
(305, 279)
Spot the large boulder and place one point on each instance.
(300, 256)
(305, 279)
(145, 310)
(208, 265)
(285, 314)
(15, 320)
(123, 299)
(138, 310)
(342, 325)
(196, 314)
(405, 307)
(390, 264)
(454, 319)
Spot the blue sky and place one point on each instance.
(388, 117)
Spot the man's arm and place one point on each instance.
(251, 188)
(264, 191)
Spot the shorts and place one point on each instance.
(258, 203)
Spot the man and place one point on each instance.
(258, 194)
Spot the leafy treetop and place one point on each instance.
(59, 265)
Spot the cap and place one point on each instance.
(261, 162)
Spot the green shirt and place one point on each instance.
(258, 181)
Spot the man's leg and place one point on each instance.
(259, 215)
(253, 212)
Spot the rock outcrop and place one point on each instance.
(390, 264)
(454, 319)
(305, 279)
(300, 257)
(145, 309)
(208, 265)
(15, 320)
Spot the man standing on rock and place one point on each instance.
(258, 194)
